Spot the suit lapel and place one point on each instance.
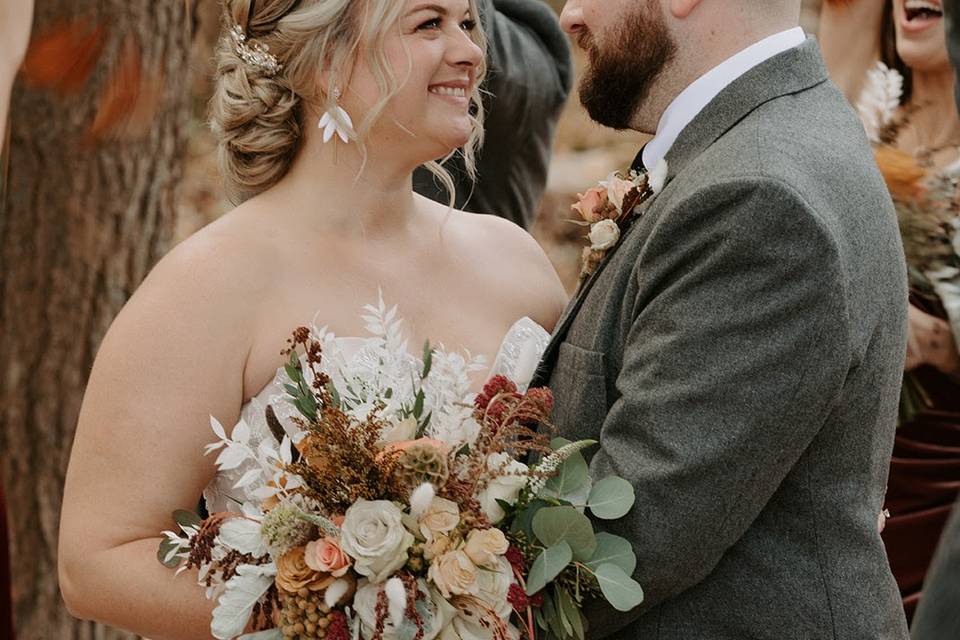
(792, 71)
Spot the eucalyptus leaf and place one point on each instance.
(538, 618)
(168, 546)
(611, 498)
(551, 614)
(523, 522)
(186, 518)
(621, 591)
(571, 612)
(548, 566)
(555, 524)
(558, 443)
(613, 549)
(562, 613)
(571, 475)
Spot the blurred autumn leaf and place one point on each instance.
(129, 100)
(63, 56)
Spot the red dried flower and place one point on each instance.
(337, 630)
(494, 386)
(515, 557)
(542, 397)
(518, 598)
(536, 600)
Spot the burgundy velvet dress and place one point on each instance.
(923, 486)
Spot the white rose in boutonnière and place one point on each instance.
(505, 487)
(604, 235)
(374, 536)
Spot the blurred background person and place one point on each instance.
(938, 617)
(529, 79)
(909, 112)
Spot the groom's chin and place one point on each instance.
(608, 105)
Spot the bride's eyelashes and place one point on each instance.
(435, 24)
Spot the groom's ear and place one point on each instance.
(680, 9)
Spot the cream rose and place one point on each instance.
(440, 611)
(617, 190)
(486, 546)
(326, 555)
(441, 517)
(494, 585)
(506, 487)
(603, 235)
(399, 431)
(454, 574)
(440, 544)
(373, 535)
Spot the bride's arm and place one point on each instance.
(173, 357)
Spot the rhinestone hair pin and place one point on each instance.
(257, 55)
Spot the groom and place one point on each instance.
(739, 353)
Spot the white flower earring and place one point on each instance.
(336, 121)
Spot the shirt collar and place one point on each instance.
(704, 89)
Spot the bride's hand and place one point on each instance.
(16, 18)
(930, 341)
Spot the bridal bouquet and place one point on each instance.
(402, 509)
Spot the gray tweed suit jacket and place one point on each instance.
(739, 360)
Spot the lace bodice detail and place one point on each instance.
(517, 358)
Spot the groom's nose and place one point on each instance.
(571, 19)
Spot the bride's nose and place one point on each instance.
(464, 52)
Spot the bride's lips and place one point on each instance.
(919, 15)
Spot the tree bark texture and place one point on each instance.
(88, 208)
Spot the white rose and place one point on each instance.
(604, 235)
(374, 536)
(486, 546)
(398, 431)
(494, 585)
(506, 487)
(440, 611)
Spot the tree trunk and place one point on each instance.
(88, 208)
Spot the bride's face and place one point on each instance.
(436, 64)
(920, 34)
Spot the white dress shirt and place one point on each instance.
(704, 89)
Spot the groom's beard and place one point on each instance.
(620, 75)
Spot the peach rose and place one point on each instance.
(588, 203)
(294, 574)
(617, 190)
(326, 556)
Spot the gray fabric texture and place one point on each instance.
(529, 75)
(739, 358)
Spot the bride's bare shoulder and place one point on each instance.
(512, 256)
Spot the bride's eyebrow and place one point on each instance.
(432, 7)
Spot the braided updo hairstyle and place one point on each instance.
(258, 117)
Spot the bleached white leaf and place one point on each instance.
(241, 432)
(247, 479)
(269, 634)
(231, 457)
(244, 536)
(218, 428)
(286, 454)
(239, 597)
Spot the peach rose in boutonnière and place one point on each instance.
(589, 202)
(294, 574)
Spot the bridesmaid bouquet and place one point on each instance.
(402, 510)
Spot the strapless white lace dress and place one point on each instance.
(516, 359)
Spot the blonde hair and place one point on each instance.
(258, 117)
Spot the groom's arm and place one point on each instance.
(733, 363)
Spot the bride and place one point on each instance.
(328, 219)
